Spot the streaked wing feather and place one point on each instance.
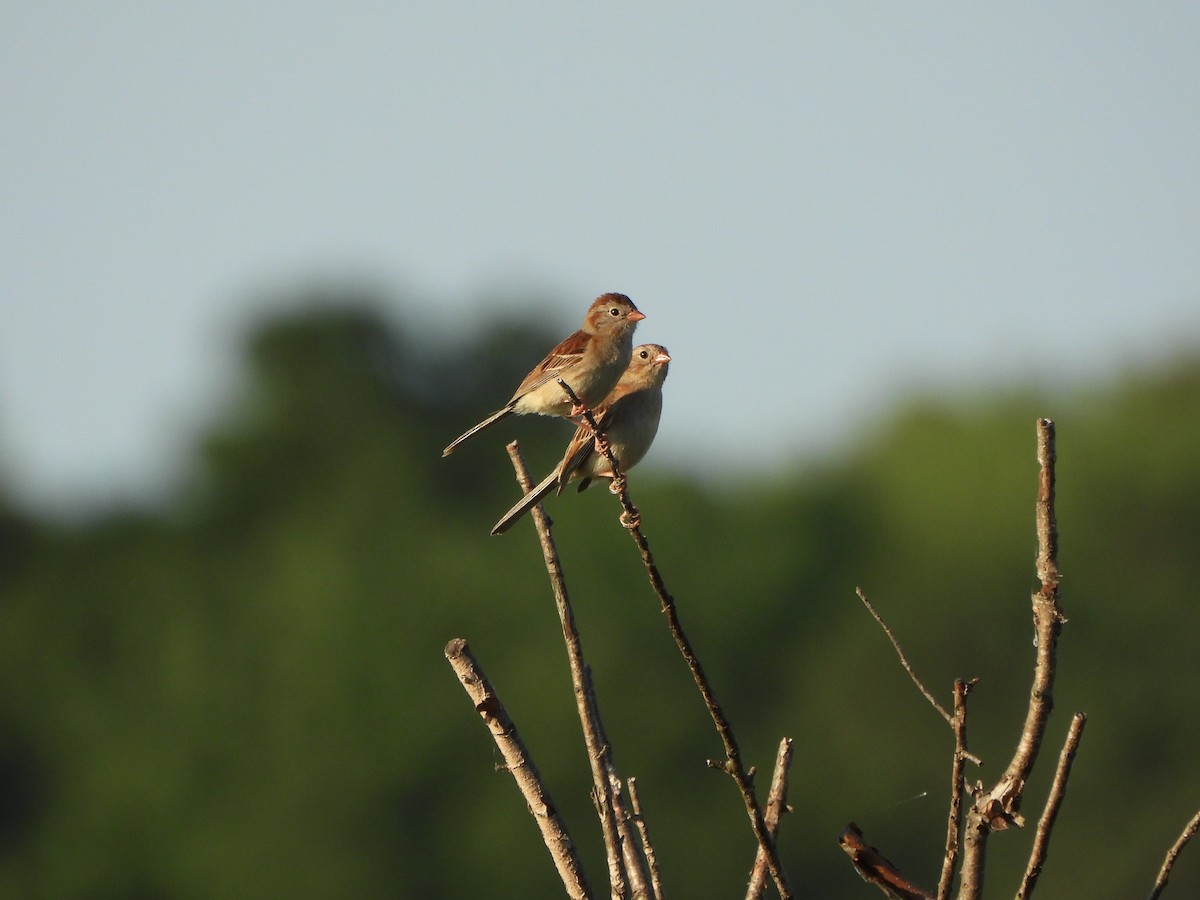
(557, 361)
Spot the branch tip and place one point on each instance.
(1189, 832)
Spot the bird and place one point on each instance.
(591, 361)
(629, 420)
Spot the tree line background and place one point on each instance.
(242, 692)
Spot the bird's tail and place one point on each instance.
(527, 503)
(495, 417)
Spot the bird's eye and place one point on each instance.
(615, 311)
(644, 355)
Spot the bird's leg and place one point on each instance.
(601, 440)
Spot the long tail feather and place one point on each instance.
(475, 429)
(527, 503)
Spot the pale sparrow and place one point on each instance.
(629, 420)
(591, 361)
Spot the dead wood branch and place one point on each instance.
(903, 659)
(519, 763)
(644, 836)
(997, 808)
(733, 765)
(962, 689)
(627, 870)
(1058, 790)
(1189, 832)
(909, 669)
(776, 806)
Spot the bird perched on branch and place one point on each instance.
(591, 361)
(629, 420)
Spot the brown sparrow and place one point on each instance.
(590, 361)
(629, 419)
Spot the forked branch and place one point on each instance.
(777, 805)
(625, 862)
(996, 809)
(962, 690)
(733, 765)
(949, 719)
(644, 836)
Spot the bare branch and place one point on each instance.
(999, 807)
(622, 863)
(518, 762)
(776, 807)
(958, 722)
(644, 836)
(636, 865)
(875, 869)
(1058, 790)
(1164, 873)
(733, 766)
(909, 669)
(903, 659)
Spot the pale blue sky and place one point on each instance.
(818, 206)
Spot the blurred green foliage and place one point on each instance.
(243, 694)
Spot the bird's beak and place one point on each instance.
(662, 358)
(636, 316)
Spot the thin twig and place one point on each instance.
(996, 809)
(733, 766)
(520, 764)
(962, 689)
(1058, 790)
(776, 806)
(1189, 832)
(625, 869)
(644, 836)
(909, 669)
(903, 659)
